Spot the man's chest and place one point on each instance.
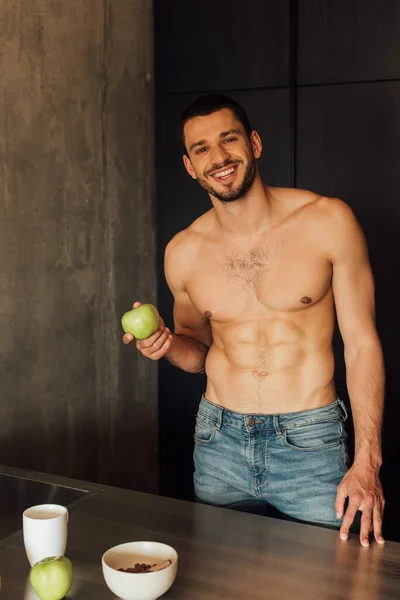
(286, 276)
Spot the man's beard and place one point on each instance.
(231, 194)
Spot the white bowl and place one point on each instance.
(139, 586)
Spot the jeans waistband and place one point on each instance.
(330, 412)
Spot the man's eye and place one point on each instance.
(231, 139)
(200, 150)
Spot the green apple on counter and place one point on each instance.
(51, 577)
(141, 322)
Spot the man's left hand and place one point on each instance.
(362, 486)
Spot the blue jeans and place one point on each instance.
(292, 462)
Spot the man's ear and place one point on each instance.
(256, 144)
(188, 166)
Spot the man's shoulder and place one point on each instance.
(335, 225)
(191, 237)
(186, 244)
(297, 198)
(334, 212)
(325, 208)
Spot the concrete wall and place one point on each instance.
(77, 239)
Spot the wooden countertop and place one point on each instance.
(223, 554)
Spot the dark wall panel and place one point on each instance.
(220, 46)
(348, 40)
(349, 146)
(180, 200)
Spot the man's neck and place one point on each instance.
(248, 216)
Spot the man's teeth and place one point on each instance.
(224, 173)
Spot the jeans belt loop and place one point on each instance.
(219, 419)
(277, 427)
(342, 404)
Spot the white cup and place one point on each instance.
(45, 531)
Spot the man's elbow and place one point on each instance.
(364, 348)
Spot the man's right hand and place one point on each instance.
(157, 345)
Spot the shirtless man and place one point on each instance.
(256, 281)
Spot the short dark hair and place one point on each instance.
(205, 105)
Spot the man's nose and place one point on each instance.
(220, 154)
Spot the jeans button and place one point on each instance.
(251, 422)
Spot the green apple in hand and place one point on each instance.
(51, 577)
(141, 322)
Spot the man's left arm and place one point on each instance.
(354, 294)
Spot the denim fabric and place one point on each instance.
(293, 462)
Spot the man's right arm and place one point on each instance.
(192, 335)
(188, 346)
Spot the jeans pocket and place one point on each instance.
(204, 432)
(314, 436)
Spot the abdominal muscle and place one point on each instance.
(279, 365)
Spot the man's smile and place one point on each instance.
(226, 174)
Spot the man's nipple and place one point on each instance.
(306, 300)
(207, 314)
